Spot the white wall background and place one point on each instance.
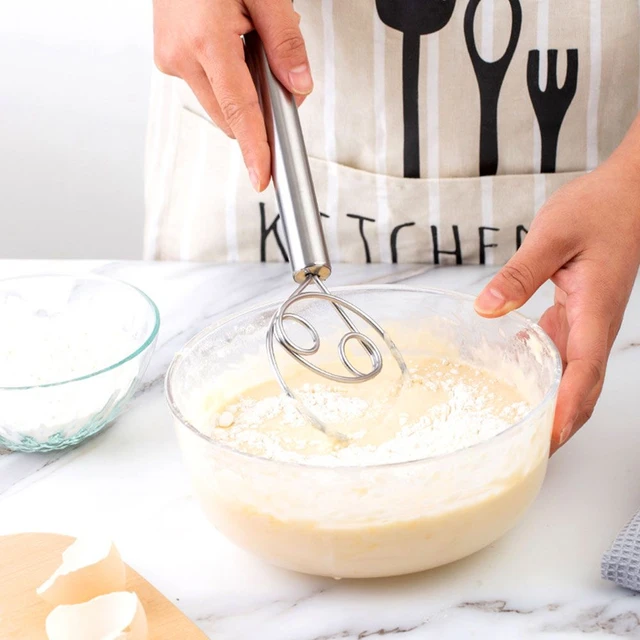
(74, 86)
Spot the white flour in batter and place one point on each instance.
(446, 406)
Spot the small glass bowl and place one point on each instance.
(73, 351)
(370, 520)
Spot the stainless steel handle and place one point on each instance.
(290, 170)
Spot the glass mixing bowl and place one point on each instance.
(383, 519)
(72, 353)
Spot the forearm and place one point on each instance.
(623, 168)
(626, 157)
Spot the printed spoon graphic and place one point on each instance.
(490, 76)
(414, 18)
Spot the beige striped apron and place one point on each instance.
(435, 131)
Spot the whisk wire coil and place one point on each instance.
(278, 332)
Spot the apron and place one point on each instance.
(435, 131)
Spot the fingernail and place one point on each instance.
(255, 180)
(566, 432)
(490, 301)
(567, 429)
(300, 79)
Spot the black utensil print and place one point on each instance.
(552, 104)
(414, 18)
(490, 76)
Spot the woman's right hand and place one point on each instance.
(199, 41)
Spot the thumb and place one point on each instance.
(277, 23)
(541, 255)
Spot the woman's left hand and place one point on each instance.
(586, 239)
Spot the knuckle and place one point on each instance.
(519, 278)
(231, 110)
(234, 110)
(168, 58)
(595, 369)
(289, 45)
(201, 45)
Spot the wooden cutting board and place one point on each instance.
(28, 559)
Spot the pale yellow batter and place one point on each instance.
(389, 502)
(382, 547)
(430, 474)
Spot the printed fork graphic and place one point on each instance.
(552, 104)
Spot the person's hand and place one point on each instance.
(586, 239)
(199, 41)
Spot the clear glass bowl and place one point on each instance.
(378, 520)
(72, 353)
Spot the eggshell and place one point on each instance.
(90, 567)
(114, 616)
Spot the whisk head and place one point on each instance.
(277, 332)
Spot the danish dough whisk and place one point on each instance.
(307, 248)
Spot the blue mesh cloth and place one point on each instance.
(621, 563)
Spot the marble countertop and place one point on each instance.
(541, 580)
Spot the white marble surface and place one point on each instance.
(541, 580)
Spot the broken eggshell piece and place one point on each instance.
(114, 616)
(90, 567)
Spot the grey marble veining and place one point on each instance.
(540, 581)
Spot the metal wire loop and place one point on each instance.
(277, 332)
(369, 346)
(297, 351)
(289, 344)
